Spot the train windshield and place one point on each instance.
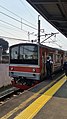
(24, 54)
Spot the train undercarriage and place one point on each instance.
(23, 83)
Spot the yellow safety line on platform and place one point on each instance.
(27, 101)
(35, 107)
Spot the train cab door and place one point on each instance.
(43, 63)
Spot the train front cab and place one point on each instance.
(25, 65)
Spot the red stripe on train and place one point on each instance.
(23, 69)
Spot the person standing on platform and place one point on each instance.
(49, 64)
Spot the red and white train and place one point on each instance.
(27, 63)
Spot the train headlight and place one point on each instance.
(34, 70)
(12, 68)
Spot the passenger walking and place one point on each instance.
(65, 66)
(49, 67)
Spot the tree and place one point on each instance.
(4, 45)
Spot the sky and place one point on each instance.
(19, 21)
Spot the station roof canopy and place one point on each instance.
(54, 11)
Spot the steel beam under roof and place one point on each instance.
(54, 11)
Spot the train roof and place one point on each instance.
(41, 45)
(51, 48)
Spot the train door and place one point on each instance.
(62, 58)
(43, 62)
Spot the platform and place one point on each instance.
(47, 100)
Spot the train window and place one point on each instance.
(14, 52)
(28, 52)
(24, 54)
(57, 58)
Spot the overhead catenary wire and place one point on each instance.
(49, 36)
(15, 14)
(56, 43)
(12, 25)
(13, 38)
(12, 29)
(26, 7)
(9, 24)
(17, 20)
(7, 32)
(53, 42)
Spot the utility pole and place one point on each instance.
(38, 29)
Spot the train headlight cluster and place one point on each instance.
(34, 70)
(12, 68)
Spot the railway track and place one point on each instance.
(7, 94)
